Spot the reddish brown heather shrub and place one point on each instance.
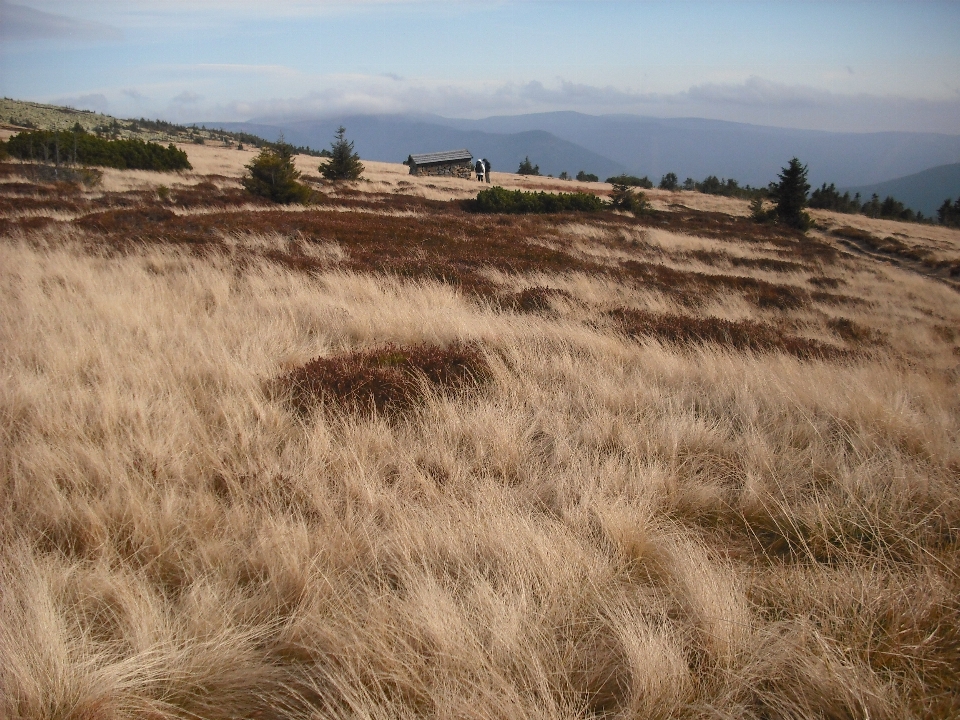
(206, 194)
(450, 247)
(10, 205)
(714, 257)
(739, 229)
(838, 299)
(691, 288)
(145, 218)
(19, 189)
(533, 299)
(739, 335)
(25, 224)
(854, 332)
(826, 282)
(389, 378)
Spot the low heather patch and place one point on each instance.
(388, 378)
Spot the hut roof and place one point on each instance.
(439, 157)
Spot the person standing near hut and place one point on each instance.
(486, 169)
(479, 168)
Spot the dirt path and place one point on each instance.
(860, 247)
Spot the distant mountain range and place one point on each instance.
(924, 191)
(612, 144)
(391, 138)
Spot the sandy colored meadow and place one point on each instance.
(702, 469)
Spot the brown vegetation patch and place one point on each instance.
(536, 299)
(853, 332)
(206, 194)
(691, 287)
(122, 228)
(714, 257)
(802, 247)
(24, 224)
(837, 299)
(126, 220)
(389, 378)
(821, 281)
(946, 333)
(739, 335)
(450, 247)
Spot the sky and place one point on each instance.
(842, 66)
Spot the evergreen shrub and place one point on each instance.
(272, 175)
(631, 181)
(517, 202)
(71, 146)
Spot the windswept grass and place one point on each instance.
(344, 463)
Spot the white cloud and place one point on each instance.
(187, 98)
(755, 100)
(22, 23)
(135, 95)
(213, 95)
(94, 101)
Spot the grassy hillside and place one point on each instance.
(18, 114)
(384, 458)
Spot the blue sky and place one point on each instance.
(861, 66)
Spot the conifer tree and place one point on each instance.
(624, 197)
(528, 168)
(668, 181)
(790, 195)
(344, 163)
(273, 175)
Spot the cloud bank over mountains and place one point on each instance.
(755, 100)
(830, 65)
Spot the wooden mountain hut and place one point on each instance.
(453, 163)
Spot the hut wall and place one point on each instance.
(458, 170)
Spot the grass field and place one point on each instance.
(383, 458)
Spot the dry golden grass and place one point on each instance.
(608, 526)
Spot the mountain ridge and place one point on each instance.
(924, 191)
(611, 144)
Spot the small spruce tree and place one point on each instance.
(528, 168)
(624, 197)
(668, 181)
(272, 175)
(344, 163)
(790, 196)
